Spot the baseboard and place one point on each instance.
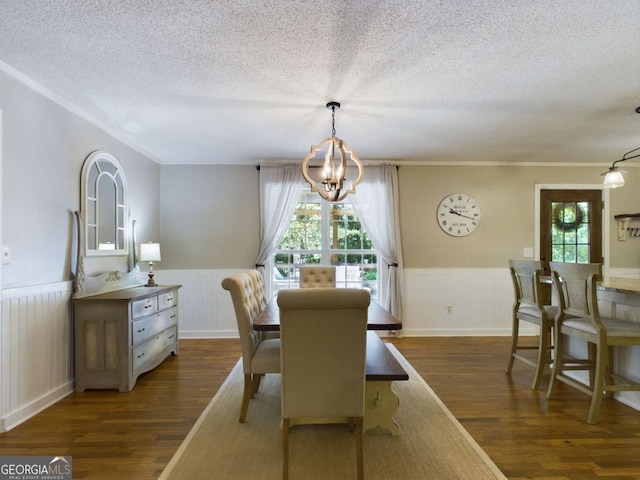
(195, 334)
(30, 410)
(463, 332)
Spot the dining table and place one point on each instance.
(377, 318)
(382, 367)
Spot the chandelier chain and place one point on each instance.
(333, 121)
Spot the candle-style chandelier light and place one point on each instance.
(328, 176)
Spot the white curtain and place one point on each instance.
(377, 205)
(280, 190)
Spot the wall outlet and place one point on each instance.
(449, 309)
(528, 252)
(6, 255)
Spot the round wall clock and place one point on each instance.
(458, 214)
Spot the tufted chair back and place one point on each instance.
(258, 287)
(260, 354)
(247, 303)
(317, 276)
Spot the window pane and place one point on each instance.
(570, 237)
(569, 254)
(338, 259)
(309, 258)
(557, 236)
(583, 253)
(557, 253)
(584, 209)
(583, 234)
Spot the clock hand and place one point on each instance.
(451, 210)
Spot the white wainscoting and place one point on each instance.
(36, 350)
(458, 302)
(480, 300)
(205, 308)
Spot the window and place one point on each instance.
(326, 233)
(570, 232)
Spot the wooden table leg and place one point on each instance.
(381, 403)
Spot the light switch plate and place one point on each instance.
(528, 252)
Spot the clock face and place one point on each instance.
(458, 214)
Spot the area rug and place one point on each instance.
(432, 444)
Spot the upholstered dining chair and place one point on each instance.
(317, 276)
(323, 333)
(260, 294)
(260, 355)
(528, 306)
(579, 317)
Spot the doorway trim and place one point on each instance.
(605, 216)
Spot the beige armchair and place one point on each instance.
(323, 333)
(260, 355)
(317, 276)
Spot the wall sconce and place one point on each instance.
(150, 252)
(329, 181)
(613, 178)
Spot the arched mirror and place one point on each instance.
(104, 197)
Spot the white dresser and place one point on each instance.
(120, 335)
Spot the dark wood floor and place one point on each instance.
(133, 435)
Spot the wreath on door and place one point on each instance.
(567, 216)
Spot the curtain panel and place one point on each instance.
(376, 203)
(280, 191)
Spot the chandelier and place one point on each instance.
(327, 173)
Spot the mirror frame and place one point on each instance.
(121, 216)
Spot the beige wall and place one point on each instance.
(507, 198)
(626, 200)
(210, 214)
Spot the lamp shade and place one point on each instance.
(150, 252)
(614, 178)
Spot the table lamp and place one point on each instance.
(150, 252)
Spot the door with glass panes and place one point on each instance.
(571, 226)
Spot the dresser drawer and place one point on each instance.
(148, 350)
(146, 306)
(166, 300)
(147, 327)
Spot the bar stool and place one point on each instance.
(528, 306)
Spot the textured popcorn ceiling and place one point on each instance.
(244, 81)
